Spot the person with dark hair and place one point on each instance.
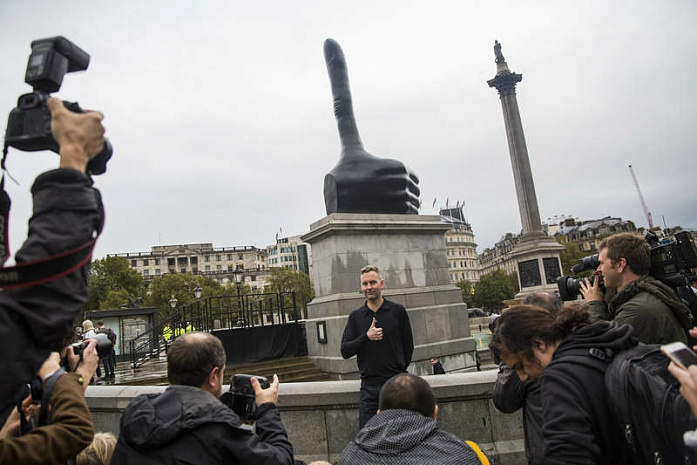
(379, 334)
(188, 423)
(437, 367)
(405, 430)
(651, 307)
(511, 394)
(577, 426)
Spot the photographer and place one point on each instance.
(189, 424)
(651, 307)
(67, 214)
(71, 429)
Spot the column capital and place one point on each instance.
(505, 83)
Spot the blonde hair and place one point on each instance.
(87, 325)
(99, 452)
(369, 268)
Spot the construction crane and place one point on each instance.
(647, 213)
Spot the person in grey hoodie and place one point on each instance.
(404, 430)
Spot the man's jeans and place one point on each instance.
(368, 403)
(109, 364)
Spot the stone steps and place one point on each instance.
(289, 370)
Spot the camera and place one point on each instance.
(104, 346)
(29, 124)
(570, 288)
(240, 398)
(671, 263)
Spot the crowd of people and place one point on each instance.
(566, 413)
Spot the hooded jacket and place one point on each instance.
(578, 427)
(652, 308)
(405, 437)
(187, 425)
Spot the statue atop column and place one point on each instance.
(497, 52)
(361, 182)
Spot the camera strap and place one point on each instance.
(36, 272)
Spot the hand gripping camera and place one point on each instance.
(29, 124)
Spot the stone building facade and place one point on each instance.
(202, 259)
(460, 247)
(290, 252)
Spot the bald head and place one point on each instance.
(192, 357)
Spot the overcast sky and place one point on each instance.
(220, 112)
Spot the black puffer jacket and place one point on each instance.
(186, 425)
(578, 427)
(405, 437)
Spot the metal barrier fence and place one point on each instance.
(212, 313)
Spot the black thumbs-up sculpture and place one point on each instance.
(361, 182)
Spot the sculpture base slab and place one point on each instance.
(410, 252)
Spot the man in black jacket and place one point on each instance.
(68, 213)
(379, 333)
(188, 423)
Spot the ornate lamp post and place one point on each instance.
(238, 274)
(197, 293)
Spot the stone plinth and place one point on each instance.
(538, 265)
(410, 252)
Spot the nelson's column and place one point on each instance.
(536, 256)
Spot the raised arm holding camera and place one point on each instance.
(67, 216)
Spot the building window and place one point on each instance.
(240, 256)
(158, 272)
(183, 270)
(208, 268)
(170, 263)
(145, 262)
(207, 258)
(146, 274)
(157, 261)
(193, 261)
(134, 263)
(229, 256)
(218, 268)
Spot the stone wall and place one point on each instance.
(321, 417)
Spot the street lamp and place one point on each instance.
(173, 303)
(197, 293)
(238, 274)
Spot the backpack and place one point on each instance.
(645, 399)
(110, 334)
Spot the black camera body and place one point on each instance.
(29, 124)
(240, 398)
(671, 263)
(104, 346)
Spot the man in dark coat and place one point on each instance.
(652, 308)
(188, 423)
(437, 367)
(405, 430)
